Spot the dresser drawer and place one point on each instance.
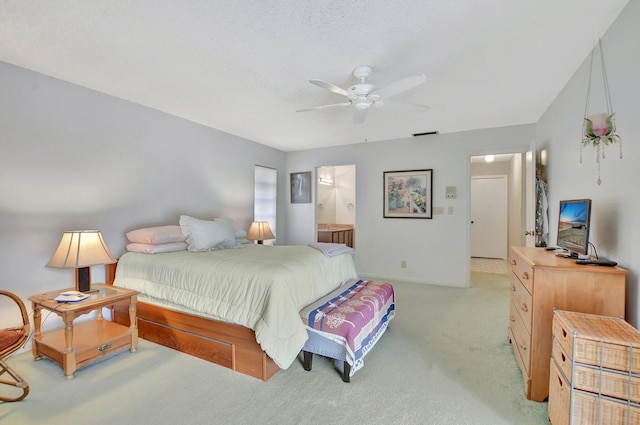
(522, 301)
(520, 338)
(522, 270)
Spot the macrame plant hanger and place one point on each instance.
(599, 129)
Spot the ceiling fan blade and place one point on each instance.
(399, 86)
(317, 108)
(331, 87)
(359, 115)
(400, 106)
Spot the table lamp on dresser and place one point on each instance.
(81, 249)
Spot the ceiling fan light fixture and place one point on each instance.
(362, 103)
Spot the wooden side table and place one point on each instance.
(77, 345)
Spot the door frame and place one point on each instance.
(523, 150)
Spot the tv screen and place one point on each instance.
(573, 225)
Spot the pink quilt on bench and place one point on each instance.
(354, 315)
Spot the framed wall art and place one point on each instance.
(408, 194)
(300, 187)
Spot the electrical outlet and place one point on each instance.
(438, 210)
(403, 264)
(450, 210)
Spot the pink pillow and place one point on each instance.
(157, 235)
(147, 248)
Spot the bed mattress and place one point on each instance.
(261, 287)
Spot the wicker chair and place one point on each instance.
(11, 339)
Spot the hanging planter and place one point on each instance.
(599, 129)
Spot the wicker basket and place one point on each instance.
(586, 408)
(604, 341)
(611, 383)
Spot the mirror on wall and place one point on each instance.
(336, 203)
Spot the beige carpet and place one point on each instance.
(444, 360)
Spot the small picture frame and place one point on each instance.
(300, 187)
(408, 194)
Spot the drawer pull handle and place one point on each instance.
(525, 275)
(513, 288)
(523, 345)
(513, 262)
(512, 319)
(564, 359)
(104, 348)
(524, 307)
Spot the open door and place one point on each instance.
(530, 195)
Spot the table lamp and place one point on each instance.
(259, 231)
(81, 249)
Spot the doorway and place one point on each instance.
(484, 171)
(336, 204)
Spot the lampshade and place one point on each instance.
(81, 249)
(260, 231)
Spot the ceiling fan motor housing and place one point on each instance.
(360, 92)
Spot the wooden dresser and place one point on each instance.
(540, 281)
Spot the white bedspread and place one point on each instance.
(261, 287)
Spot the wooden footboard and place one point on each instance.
(229, 345)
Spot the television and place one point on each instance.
(573, 226)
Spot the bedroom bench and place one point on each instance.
(346, 323)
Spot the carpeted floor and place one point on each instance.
(444, 360)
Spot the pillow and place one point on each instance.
(157, 235)
(149, 248)
(241, 237)
(203, 235)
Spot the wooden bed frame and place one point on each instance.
(227, 344)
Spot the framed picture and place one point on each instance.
(408, 194)
(301, 187)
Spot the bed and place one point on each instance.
(238, 308)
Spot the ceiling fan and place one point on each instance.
(362, 95)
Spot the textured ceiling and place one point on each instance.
(244, 67)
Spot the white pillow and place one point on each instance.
(156, 235)
(203, 235)
(149, 248)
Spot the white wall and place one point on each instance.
(436, 251)
(616, 202)
(72, 158)
(345, 194)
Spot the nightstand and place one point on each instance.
(77, 345)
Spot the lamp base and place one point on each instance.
(83, 279)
